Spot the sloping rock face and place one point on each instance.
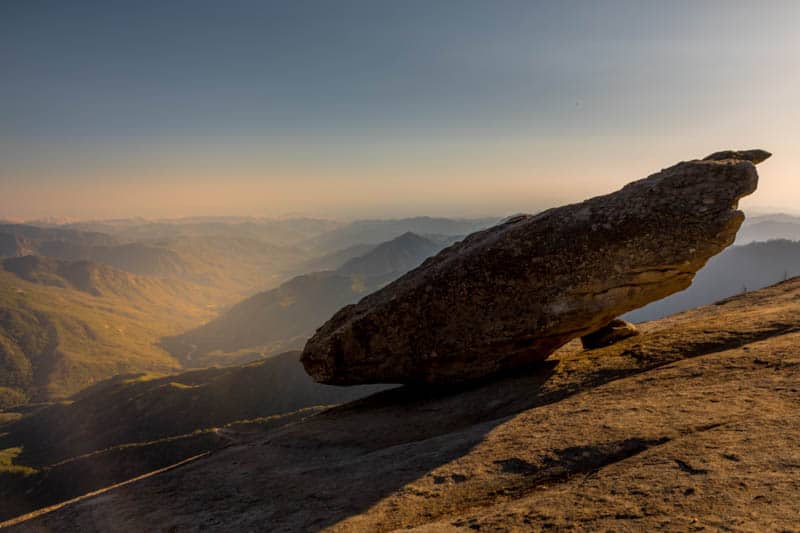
(665, 431)
(512, 294)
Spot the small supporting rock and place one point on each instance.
(611, 333)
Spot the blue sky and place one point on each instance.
(375, 108)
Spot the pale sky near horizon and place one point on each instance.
(382, 108)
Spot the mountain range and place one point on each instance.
(378, 231)
(95, 383)
(236, 256)
(283, 318)
(768, 227)
(66, 325)
(587, 437)
(736, 270)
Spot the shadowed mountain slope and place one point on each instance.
(139, 408)
(736, 270)
(401, 254)
(35, 236)
(131, 424)
(283, 318)
(73, 245)
(136, 258)
(768, 227)
(238, 266)
(267, 323)
(11, 245)
(661, 431)
(89, 277)
(235, 265)
(334, 260)
(80, 275)
(378, 231)
(66, 325)
(271, 231)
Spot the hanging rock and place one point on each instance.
(514, 293)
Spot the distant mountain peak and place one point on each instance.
(398, 255)
(80, 275)
(408, 236)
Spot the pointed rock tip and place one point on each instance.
(755, 156)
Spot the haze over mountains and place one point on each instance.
(80, 306)
(114, 318)
(379, 266)
(230, 263)
(180, 290)
(737, 270)
(238, 255)
(284, 318)
(767, 227)
(65, 325)
(111, 323)
(287, 232)
(378, 231)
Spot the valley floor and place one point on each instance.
(692, 425)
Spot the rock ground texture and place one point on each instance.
(692, 425)
(512, 294)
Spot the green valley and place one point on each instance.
(66, 325)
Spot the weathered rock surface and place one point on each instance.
(614, 331)
(512, 294)
(693, 425)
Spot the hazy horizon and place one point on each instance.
(260, 269)
(376, 110)
(756, 211)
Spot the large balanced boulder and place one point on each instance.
(514, 293)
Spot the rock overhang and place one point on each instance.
(512, 294)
